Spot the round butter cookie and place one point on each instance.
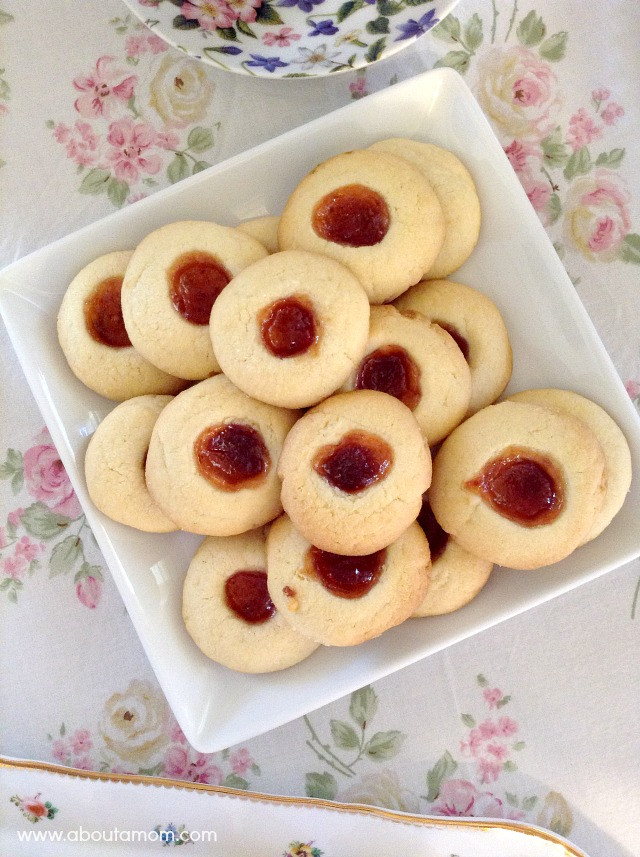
(456, 192)
(418, 363)
(171, 283)
(457, 576)
(345, 600)
(289, 328)
(264, 230)
(228, 612)
(353, 472)
(519, 485)
(374, 212)
(115, 462)
(476, 324)
(212, 459)
(613, 442)
(94, 340)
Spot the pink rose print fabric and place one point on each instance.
(46, 531)
(144, 117)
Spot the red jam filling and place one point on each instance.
(436, 536)
(247, 595)
(461, 341)
(232, 456)
(391, 370)
(103, 314)
(521, 485)
(353, 215)
(195, 281)
(288, 327)
(347, 576)
(358, 461)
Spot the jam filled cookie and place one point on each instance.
(264, 230)
(353, 471)
(456, 192)
(614, 445)
(212, 459)
(477, 326)
(94, 340)
(456, 575)
(174, 276)
(228, 612)
(289, 328)
(115, 462)
(374, 212)
(418, 363)
(519, 485)
(345, 600)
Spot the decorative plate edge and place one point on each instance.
(570, 849)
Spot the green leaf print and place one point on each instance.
(13, 469)
(245, 28)
(630, 250)
(578, 164)
(199, 166)
(458, 60)
(611, 159)
(5, 17)
(344, 735)
(95, 181)
(375, 50)
(65, 555)
(473, 33)
(87, 570)
(117, 191)
(178, 169)
(200, 139)
(321, 785)
(380, 25)
(448, 30)
(266, 14)
(468, 720)
(441, 771)
(349, 8)
(384, 745)
(555, 47)
(554, 150)
(39, 521)
(233, 781)
(389, 7)
(363, 705)
(531, 30)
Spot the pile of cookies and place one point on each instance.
(283, 384)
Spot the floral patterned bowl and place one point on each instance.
(290, 38)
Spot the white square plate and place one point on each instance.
(554, 344)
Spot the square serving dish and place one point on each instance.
(554, 344)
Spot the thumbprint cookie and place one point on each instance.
(457, 576)
(94, 339)
(289, 328)
(213, 454)
(115, 464)
(264, 230)
(613, 442)
(518, 484)
(418, 363)
(478, 328)
(374, 212)
(172, 281)
(345, 600)
(353, 472)
(456, 192)
(228, 612)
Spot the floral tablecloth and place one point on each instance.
(535, 719)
